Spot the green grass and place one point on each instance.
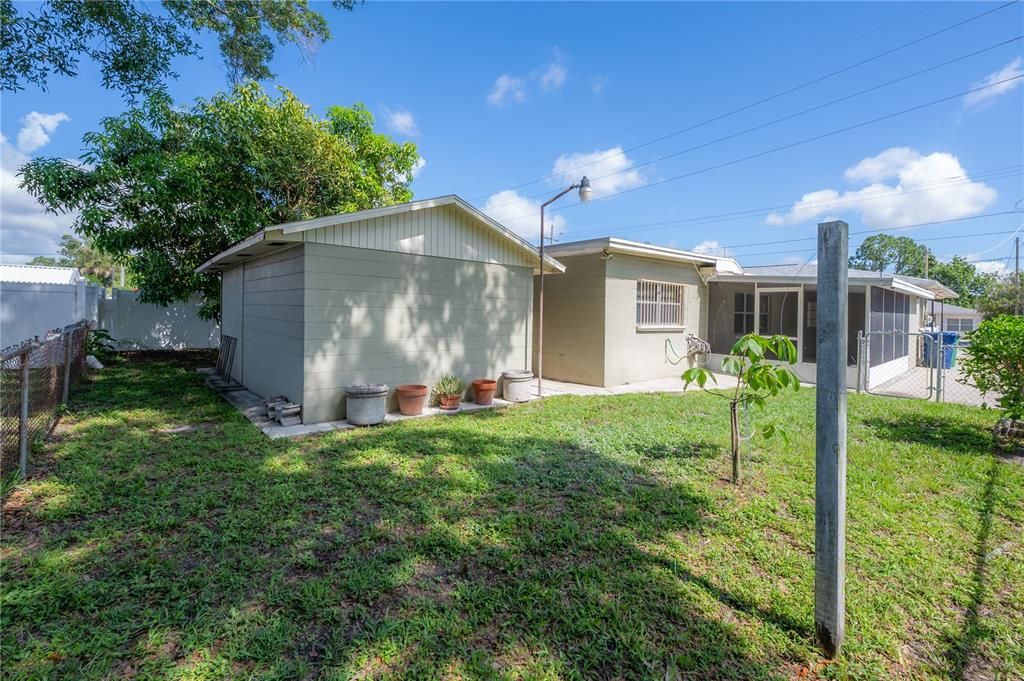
(574, 538)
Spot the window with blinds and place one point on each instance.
(658, 304)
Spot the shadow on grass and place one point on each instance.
(962, 647)
(420, 550)
(942, 433)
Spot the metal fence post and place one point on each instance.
(23, 417)
(940, 377)
(68, 341)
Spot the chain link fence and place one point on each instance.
(35, 377)
(923, 365)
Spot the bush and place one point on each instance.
(995, 362)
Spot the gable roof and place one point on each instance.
(611, 245)
(39, 274)
(266, 239)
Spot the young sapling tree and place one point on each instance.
(755, 361)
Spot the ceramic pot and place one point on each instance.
(411, 398)
(483, 390)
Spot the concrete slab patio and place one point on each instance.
(251, 404)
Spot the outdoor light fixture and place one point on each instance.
(585, 194)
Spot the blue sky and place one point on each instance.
(500, 95)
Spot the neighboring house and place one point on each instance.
(623, 312)
(956, 318)
(35, 299)
(389, 295)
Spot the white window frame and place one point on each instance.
(660, 305)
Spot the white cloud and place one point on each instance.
(417, 167)
(521, 215)
(926, 189)
(402, 122)
(982, 98)
(597, 84)
(998, 267)
(712, 247)
(553, 76)
(27, 229)
(507, 88)
(610, 171)
(37, 128)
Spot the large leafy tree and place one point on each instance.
(164, 188)
(896, 254)
(1006, 297)
(964, 278)
(134, 43)
(94, 265)
(903, 255)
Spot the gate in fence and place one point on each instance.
(924, 365)
(35, 377)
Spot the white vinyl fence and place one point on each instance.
(30, 310)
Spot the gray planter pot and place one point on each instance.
(516, 385)
(365, 405)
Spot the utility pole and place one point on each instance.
(1016, 277)
(830, 439)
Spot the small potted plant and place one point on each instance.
(411, 398)
(448, 392)
(483, 390)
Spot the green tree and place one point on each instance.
(135, 46)
(1006, 296)
(753, 360)
(164, 188)
(888, 253)
(97, 267)
(964, 278)
(995, 362)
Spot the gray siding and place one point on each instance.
(574, 321)
(372, 316)
(231, 309)
(633, 354)
(443, 232)
(270, 348)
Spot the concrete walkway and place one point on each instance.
(251, 405)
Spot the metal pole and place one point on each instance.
(1018, 298)
(830, 442)
(540, 312)
(23, 417)
(67, 363)
(860, 359)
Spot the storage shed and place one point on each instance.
(391, 295)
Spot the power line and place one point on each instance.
(944, 183)
(792, 145)
(770, 97)
(931, 238)
(817, 107)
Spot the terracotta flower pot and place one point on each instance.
(411, 398)
(449, 402)
(483, 390)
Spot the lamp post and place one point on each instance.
(585, 193)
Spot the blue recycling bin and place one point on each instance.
(950, 340)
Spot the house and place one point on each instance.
(956, 318)
(35, 299)
(625, 312)
(622, 311)
(391, 295)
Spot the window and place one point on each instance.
(961, 324)
(659, 304)
(890, 321)
(743, 314)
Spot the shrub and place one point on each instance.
(995, 361)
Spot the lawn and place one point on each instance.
(162, 536)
